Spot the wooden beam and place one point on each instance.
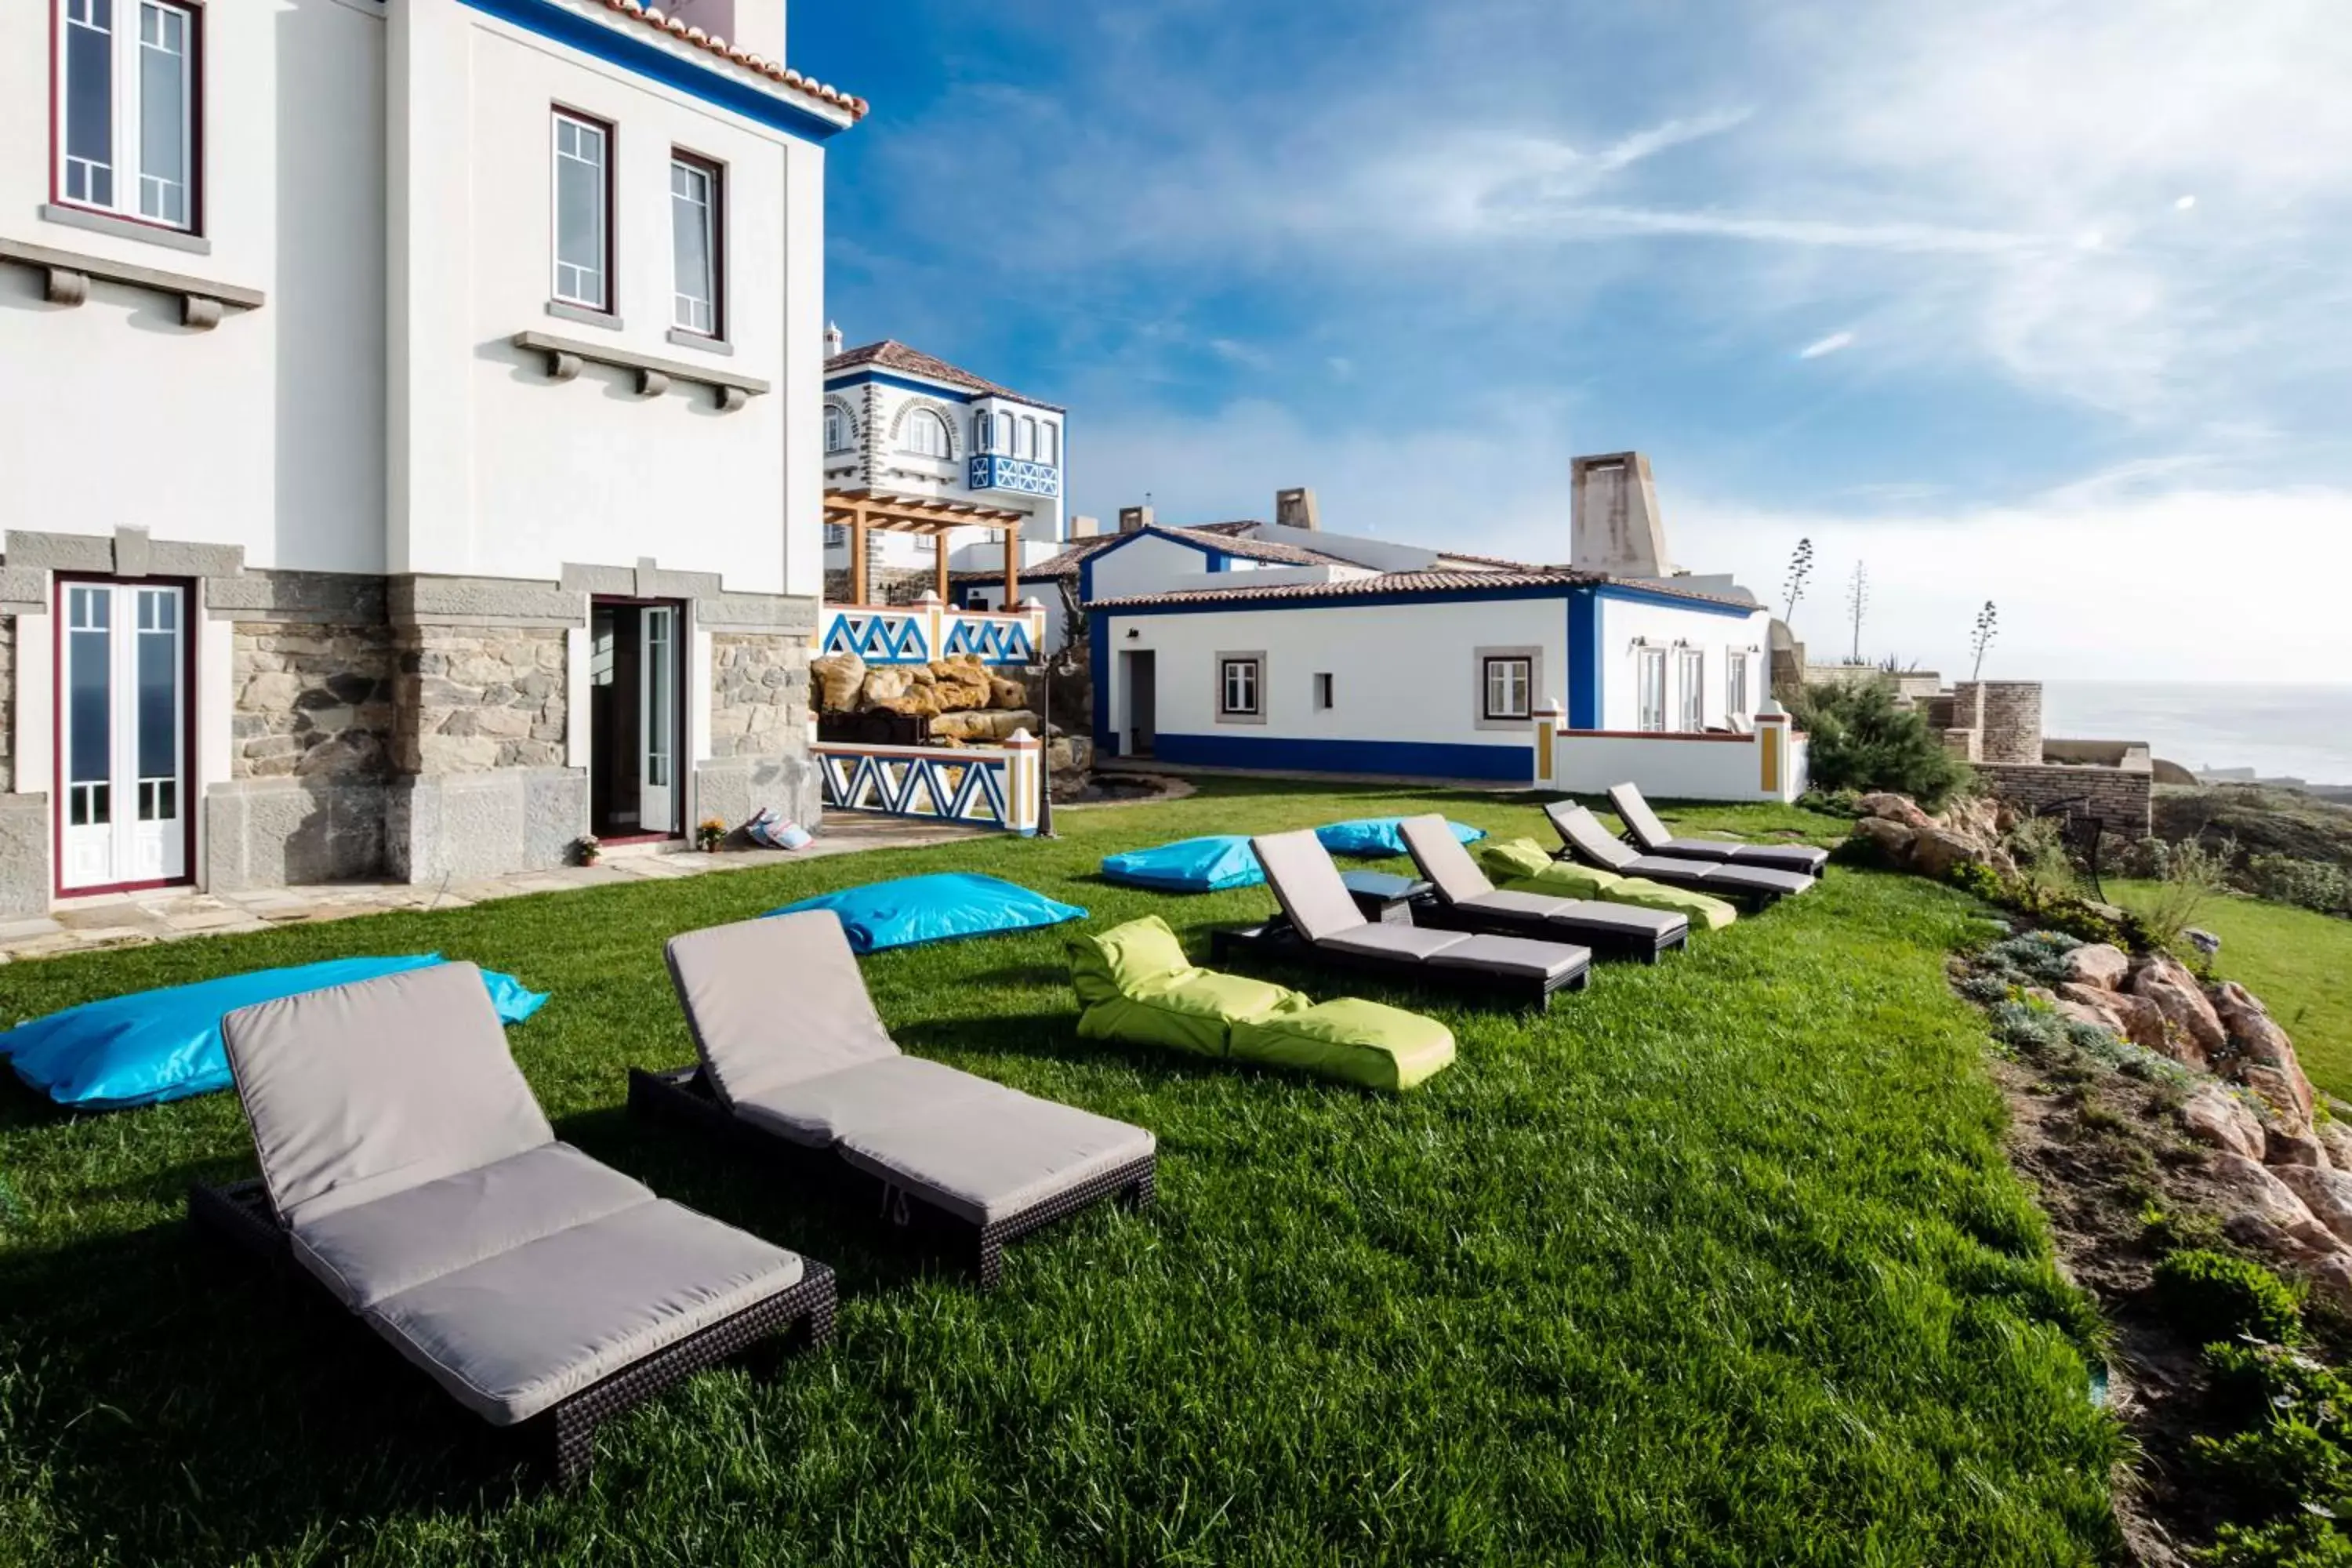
(940, 566)
(1012, 567)
(857, 557)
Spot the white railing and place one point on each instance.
(927, 630)
(1767, 765)
(986, 786)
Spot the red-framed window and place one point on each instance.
(127, 109)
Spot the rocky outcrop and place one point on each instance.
(2099, 965)
(1903, 835)
(2212, 1115)
(2261, 1056)
(2193, 1033)
(839, 678)
(1897, 808)
(2266, 1213)
(2327, 1194)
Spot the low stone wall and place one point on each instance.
(312, 700)
(883, 584)
(2123, 798)
(471, 700)
(759, 731)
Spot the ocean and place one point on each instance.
(2280, 731)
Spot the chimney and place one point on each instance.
(755, 27)
(1134, 519)
(1614, 524)
(832, 339)
(1296, 508)
(1085, 527)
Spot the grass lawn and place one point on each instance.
(1716, 1263)
(2297, 961)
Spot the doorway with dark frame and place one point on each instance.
(636, 715)
(1140, 668)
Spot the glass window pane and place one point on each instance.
(90, 106)
(162, 116)
(158, 705)
(580, 216)
(89, 680)
(690, 227)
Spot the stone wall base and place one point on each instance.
(269, 833)
(2124, 797)
(483, 824)
(735, 789)
(24, 855)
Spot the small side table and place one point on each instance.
(1383, 897)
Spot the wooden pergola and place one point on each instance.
(860, 511)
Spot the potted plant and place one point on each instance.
(589, 847)
(710, 833)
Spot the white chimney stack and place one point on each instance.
(1134, 519)
(1296, 508)
(1614, 526)
(832, 339)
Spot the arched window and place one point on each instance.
(836, 428)
(1028, 439)
(981, 435)
(924, 434)
(1049, 443)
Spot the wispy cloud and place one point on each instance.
(1826, 345)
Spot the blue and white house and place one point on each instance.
(1446, 666)
(900, 422)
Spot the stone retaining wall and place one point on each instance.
(470, 699)
(312, 700)
(7, 703)
(2123, 797)
(759, 694)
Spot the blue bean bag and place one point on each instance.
(1380, 836)
(939, 908)
(1208, 865)
(154, 1046)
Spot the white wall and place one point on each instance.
(1401, 672)
(267, 431)
(1145, 564)
(1714, 635)
(1673, 767)
(499, 471)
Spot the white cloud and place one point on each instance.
(1827, 346)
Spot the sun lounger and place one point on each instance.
(1466, 900)
(1587, 840)
(1653, 838)
(407, 1168)
(795, 1060)
(1321, 924)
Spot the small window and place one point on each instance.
(1049, 443)
(1028, 439)
(836, 428)
(924, 434)
(1735, 685)
(1691, 676)
(981, 436)
(1237, 683)
(1323, 691)
(1649, 668)
(127, 87)
(1510, 688)
(696, 234)
(583, 230)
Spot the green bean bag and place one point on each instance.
(1136, 984)
(1520, 866)
(1352, 1040)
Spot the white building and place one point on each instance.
(1362, 656)
(900, 422)
(466, 354)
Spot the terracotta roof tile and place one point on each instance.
(1400, 582)
(892, 355)
(653, 15)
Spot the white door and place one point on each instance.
(657, 724)
(123, 767)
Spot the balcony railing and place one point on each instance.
(984, 787)
(987, 472)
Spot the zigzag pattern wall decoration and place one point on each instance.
(996, 642)
(878, 639)
(958, 790)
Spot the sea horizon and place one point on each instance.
(2279, 729)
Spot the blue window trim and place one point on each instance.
(644, 58)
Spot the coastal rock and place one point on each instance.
(2331, 1279)
(1891, 839)
(1007, 693)
(2261, 1054)
(838, 679)
(2286, 1093)
(2327, 1194)
(2193, 1034)
(2212, 1115)
(2284, 1148)
(884, 686)
(2099, 965)
(2336, 1139)
(1888, 807)
(2266, 1211)
(1936, 850)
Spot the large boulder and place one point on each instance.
(1888, 807)
(2336, 1139)
(2264, 1211)
(2098, 963)
(2327, 1194)
(837, 678)
(1890, 839)
(2261, 1056)
(2078, 1005)
(1007, 693)
(885, 685)
(2212, 1115)
(2193, 1032)
(1974, 816)
(961, 683)
(1935, 851)
(2284, 1146)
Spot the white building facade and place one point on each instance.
(467, 354)
(901, 422)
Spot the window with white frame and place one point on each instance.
(924, 434)
(1239, 678)
(1735, 699)
(1690, 681)
(583, 218)
(982, 435)
(127, 86)
(836, 428)
(1028, 439)
(695, 233)
(1049, 443)
(1509, 684)
(1650, 683)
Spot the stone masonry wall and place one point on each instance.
(312, 700)
(758, 697)
(2124, 798)
(7, 703)
(471, 700)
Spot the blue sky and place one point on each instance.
(2045, 302)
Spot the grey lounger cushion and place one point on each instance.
(1527, 907)
(1592, 914)
(1449, 868)
(515, 1333)
(1307, 884)
(821, 1111)
(1714, 874)
(1518, 956)
(1654, 838)
(770, 1002)
(1410, 945)
(989, 1162)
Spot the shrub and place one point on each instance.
(2037, 958)
(2214, 1298)
(2303, 1540)
(2252, 1383)
(2308, 884)
(2269, 1470)
(1862, 739)
(2192, 876)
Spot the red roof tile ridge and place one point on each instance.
(774, 70)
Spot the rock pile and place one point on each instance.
(1912, 839)
(964, 702)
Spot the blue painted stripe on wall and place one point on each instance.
(1583, 660)
(1350, 602)
(1098, 672)
(1673, 601)
(645, 59)
(904, 384)
(1401, 758)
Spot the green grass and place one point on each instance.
(1717, 1263)
(2298, 962)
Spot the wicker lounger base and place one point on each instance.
(1277, 942)
(1604, 939)
(561, 1439)
(683, 1098)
